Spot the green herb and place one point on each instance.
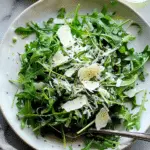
(61, 13)
(88, 146)
(50, 20)
(14, 40)
(24, 32)
(70, 148)
(138, 26)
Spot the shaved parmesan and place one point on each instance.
(109, 51)
(90, 85)
(131, 93)
(58, 21)
(77, 49)
(75, 104)
(59, 59)
(102, 119)
(70, 72)
(66, 84)
(39, 86)
(77, 89)
(87, 112)
(77, 112)
(104, 92)
(65, 36)
(118, 84)
(86, 73)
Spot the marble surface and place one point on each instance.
(9, 10)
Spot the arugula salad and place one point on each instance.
(78, 74)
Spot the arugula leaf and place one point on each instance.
(61, 13)
(50, 20)
(122, 49)
(128, 38)
(104, 10)
(24, 32)
(27, 109)
(142, 108)
(130, 81)
(141, 76)
(70, 148)
(137, 25)
(76, 21)
(88, 146)
(138, 60)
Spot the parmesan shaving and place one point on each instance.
(104, 92)
(59, 59)
(102, 119)
(86, 73)
(70, 72)
(75, 104)
(65, 36)
(131, 93)
(90, 85)
(118, 84)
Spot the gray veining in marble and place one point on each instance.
(9, 9)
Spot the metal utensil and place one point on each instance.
(135, 135)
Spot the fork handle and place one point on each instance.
(135, 135)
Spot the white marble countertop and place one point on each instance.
(9, 10)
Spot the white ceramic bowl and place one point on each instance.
(10, 65)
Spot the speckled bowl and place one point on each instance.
(10, 65)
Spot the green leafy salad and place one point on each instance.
(78, 74)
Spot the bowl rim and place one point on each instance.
(7, 31)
